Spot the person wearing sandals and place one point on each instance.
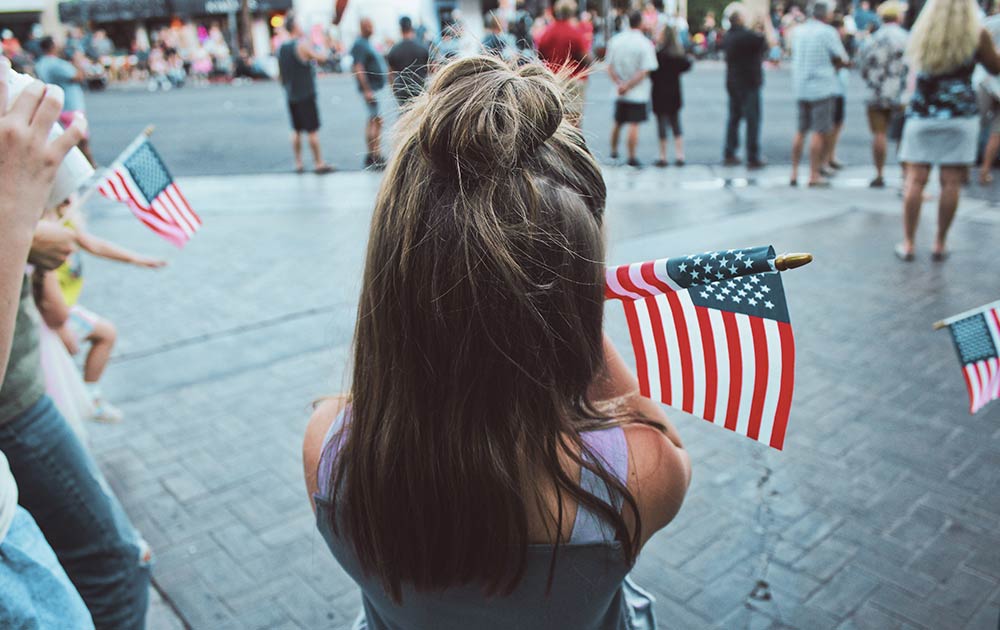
(296, 64)
(667, 100)
(942, 119)
(883, 68)
(487, 410)
(817, 53)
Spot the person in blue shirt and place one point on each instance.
(53, 69)
(370, 70)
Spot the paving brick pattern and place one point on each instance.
(882, 512)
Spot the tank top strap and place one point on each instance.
(610, 447)
(328, 454)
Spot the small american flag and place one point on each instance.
(140, 179)
(977, 338)
(712, 337)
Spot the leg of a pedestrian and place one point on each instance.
(661, 134)
(817, 155)
(297, 150)
(879, 143)
(733, 126)
(62, 487)
(989, 157)
(675, 126)
(102, 342)
(952, 178)
(751, 109)
(913, 198)
(615, 134)
(633, 141)
(317, 150)
(377, 136)
(797, 141)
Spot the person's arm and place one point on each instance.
(312, 446)
(359, 72)
(307, 53)
(987, 53)
(50, 301)
(105, 249)
(838, 54)
(28, 164)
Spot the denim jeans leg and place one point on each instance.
(733, 126)
(751, 110)
(62, 487)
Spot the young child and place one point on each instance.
(57, 292)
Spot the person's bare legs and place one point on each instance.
(297, 150)
(797, 143)
(817, 154)
(879, 149)
(633, 140)
(663, 149)
(679, 148)
(317, 151)
(102, 341)
(615, 134)
(831, 145)
(377, 136)
(913, 198)
(989, 157)
(952, 178)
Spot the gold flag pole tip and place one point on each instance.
(792, 261)
(148, 131)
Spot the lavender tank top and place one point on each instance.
(591, 588)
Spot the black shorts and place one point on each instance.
(838, 110)
(628, 112)
(671, 120)
(305, 115)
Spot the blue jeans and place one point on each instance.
(60, 485)
(36, 591)
(744, 103)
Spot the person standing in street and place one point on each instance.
(55, 70)
(988, 97)
(667, 99)
(817, 52)
(408, 62)
(370, 71)
(883, 69)
(942, 120)
(744, 51)
(563, 47)
(630, 58)
(296, 63)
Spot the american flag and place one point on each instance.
(977, 338)
(712, 337)
(140, 179)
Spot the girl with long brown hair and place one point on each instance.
(493, 465)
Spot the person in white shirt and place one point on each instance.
(817, 53)
(630, 57)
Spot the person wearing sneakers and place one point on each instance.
(57, 293)
(296, 63)
(883, 68)
(630, 57)
(817, 53)
(370, 70)
(744, 51)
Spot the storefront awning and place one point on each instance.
(112, 10)
(224, 7)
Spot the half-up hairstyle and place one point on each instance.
(479, 332)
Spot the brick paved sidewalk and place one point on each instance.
(882, 512)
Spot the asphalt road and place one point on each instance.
(239, 129)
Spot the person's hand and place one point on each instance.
(149, 263)
(369, 96)
(29, 160)
(622, 89)
(51, 246)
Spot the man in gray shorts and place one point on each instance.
(371, 71)
(817, 53)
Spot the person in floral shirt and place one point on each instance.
(883, 68)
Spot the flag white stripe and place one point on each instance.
(635, 274)
(163, 213)
(185, 209)
(749, 372)
(163, 202)
(660, 269)
(991, 384)
(117, 193)
(721, 364)
(172, 200)
(697, 352)
(773, 337)
(985, 380)
(992, 325)
(611, 275)
(673, 352)
(973, 375)
(652, 359)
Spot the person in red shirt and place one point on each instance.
(563, 47)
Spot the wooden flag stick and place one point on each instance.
(785, 262)
(99, 176)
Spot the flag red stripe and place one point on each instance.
(787, 385)
(735, 369)
(637, 346)
(625, 280)
(649, 275)
(684, 346)
(711, 369)
(656, 323)
(760, 376)
(968, 387)
(184, 221)
(144, 214)
(177, 190)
